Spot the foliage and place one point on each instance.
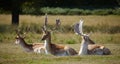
(70, 41)
(103, 12)
(70, 11)
(55, 7)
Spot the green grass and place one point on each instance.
(14, 54)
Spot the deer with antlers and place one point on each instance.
(35, 47)
(88, 47)
(54, 49)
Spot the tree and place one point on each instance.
(14, 6)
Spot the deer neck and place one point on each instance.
(91, 41)
(26, 46)
(83, 48)
(47, 45)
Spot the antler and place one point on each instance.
(78, 28)
(18, 32)
(58, 22)
(43, 29)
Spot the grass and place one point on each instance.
(14, 54)
(104, 24)
(90, 20)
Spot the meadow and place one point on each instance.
(104, 30)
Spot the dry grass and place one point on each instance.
(70, 20)
(66, 20)
(5, 19)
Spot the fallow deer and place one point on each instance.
(87, 45)
(54, 49)
(35, 47)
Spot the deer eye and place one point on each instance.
(85, 38)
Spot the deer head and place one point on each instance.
(19, 37)
(46, 34)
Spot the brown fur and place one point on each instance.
(36, 45)
(29, 47)
(93, 46)
(54, 48)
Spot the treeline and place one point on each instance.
(77, 3)
(62, 7)
(67, 11)
(73, 7)
(70, 11)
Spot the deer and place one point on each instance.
(88, 46)
(35, 47)
(55, 49)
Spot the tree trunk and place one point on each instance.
(15, 17)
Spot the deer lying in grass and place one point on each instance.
(54, 49)
(87, 45)
(35, 47)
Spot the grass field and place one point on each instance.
(14, 54)
(112, 20)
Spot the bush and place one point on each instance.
(53, 11)
(77, 11)
(116, 11)
(69, 11)
(102, 12)
(28, 10)
(74, 12)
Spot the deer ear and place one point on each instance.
(24, 35)
(89, 34)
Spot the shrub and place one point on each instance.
(116, 11)
(69, 11)
(53, 11)
(102, 12)
(74, 12)
(28, 10)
